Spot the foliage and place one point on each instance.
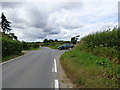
(101, 70)
(89, 71)
(104, 44)
(5, 24)
(45, 41)
(9, 36)
(10, 47)
(105, 63)
(74, 39)
(29, 45)
(53, 43)
(107, 38)
(11, 57)
(12, 36)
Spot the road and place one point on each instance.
(37, 69)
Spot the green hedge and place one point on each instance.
(107, 38)
(10, 47)
(103, 44)
(29, 46)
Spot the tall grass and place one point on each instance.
(88, 71)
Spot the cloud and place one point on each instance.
(34, 21)
(11, 4)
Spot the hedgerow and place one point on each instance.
(29, 45)
(10, 47)
(104, 44)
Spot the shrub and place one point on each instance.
(10, 47)
(25, 46)
(29, 45)
(103, 44)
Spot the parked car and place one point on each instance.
(65, 46)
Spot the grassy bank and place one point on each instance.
(95, 62)
(31, 49)
(6, 58)
(84, 70)
(11, 57)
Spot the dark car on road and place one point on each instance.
(65, 46)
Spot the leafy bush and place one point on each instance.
(107, 38)
(10, 47)
(25, 46)
(103, 44)
(28, 45)
(105, 63)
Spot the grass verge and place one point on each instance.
(52, 46)
(85, 72)
(11, 57)
(16, 55)
(32, 49)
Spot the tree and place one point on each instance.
(51, 40)
(45, 41)
(74, 39)
(5, 24)
(56, 40)
(12, 36)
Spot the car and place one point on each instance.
(65, 46)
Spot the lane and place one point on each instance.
(31, 71)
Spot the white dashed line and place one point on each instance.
(55, 66)
(52, 69)
(56, 82)
(56, 85)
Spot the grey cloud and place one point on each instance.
(73, 27)
(72, 5)
(33, 19)
(54, 31)
(32, 35)
(11, 4)
(36, 18)
(19, 25)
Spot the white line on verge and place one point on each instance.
(55, 65)
(56, 84)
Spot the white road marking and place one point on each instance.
(52, 69)
(56, 84)
(55, 66)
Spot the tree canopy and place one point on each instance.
(5, 24)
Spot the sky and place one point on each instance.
(34, 21)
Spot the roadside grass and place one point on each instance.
(16, 55)
(52, 46)
(11, 57)
(84, 72)
(33, 49)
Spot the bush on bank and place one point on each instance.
(10, 47)
(95, 62)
